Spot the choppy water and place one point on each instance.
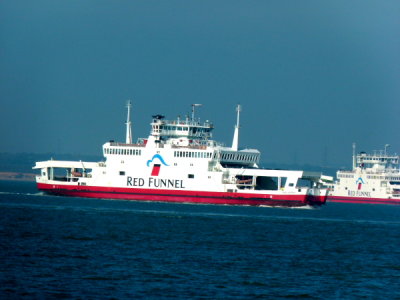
(57, 247)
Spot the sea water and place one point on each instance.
(59, 247)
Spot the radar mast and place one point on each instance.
(128, 124)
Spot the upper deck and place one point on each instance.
(378, 162)
(180, 128)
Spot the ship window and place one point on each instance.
(283, 181)
(266, 183)
(121, 173)
(190, 175)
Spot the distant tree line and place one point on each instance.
(23, 162)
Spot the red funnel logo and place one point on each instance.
(360, 183)
(156, 170)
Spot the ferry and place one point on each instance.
(180, 162)
(375, 179)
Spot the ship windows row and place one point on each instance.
(345, 176)
(238, 157)
(119, 151)
(192, 154)
(374, 177)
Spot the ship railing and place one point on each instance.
(188, 122)
(373, 171)
(199, 147)
(127, 145)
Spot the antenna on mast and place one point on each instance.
(128, 139)
(193, 106)
(235, 142)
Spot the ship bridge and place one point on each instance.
(181, 132)
(379, 160)
(180, 128)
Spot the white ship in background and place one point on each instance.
(179, 162)
(375, 178)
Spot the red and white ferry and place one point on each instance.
(375, 179)
(179, 162)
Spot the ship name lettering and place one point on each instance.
(134, 181)
(359, 194)
(165, 183)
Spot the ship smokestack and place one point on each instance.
(235, 142)
(128, 139)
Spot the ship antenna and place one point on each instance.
(193, 106)
(386, 146)
(128, 124)
(235, 142)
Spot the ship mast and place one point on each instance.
(128, 124)
(354, 156)
(193, 106)
(235, 142)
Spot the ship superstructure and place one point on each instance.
(180, 162)
(374, 178)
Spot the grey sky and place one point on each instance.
(312, 76)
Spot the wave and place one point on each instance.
(23, 194)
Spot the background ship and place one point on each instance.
(375, 178)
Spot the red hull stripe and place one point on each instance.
(181, 196)
(363, 200)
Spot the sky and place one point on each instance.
(312, 76)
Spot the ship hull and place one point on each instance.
(201, 197)
(342, 199)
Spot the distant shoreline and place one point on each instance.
(17, 176)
